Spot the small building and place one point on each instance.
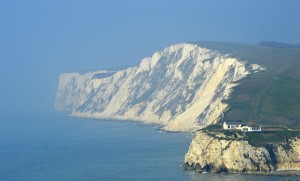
(238, 125)
(228, 125)
(250, 127)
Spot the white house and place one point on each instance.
(250, 128)
(228, 125)
(238, 125)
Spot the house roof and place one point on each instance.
(238, 122)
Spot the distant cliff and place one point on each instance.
(220, 154)
(180, 88)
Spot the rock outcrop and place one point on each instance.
(180, 88)
(220, 154)
(288, 156)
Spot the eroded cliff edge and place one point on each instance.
(219, 153)
(180, 88)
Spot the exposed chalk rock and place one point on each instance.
(180, 88)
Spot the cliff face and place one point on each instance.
(288, 158)
(212, 154)
(70, 87)
(180, 88)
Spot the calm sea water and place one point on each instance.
(57, 147)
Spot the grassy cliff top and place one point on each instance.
(268, 135)
(268, 98)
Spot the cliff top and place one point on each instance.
(268, 135)
(270, 97)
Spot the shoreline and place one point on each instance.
(282, 173)
(279, 172)
(137, 121)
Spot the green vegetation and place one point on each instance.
(267, 137)
(213, 127)
(290, 105)
(268, 98)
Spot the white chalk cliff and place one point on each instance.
(180, 88)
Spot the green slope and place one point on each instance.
(271, 97)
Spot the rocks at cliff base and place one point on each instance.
(210, 154)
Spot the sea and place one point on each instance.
(56, 147)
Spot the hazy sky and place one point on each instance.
(41, 39)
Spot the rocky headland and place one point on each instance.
(181, 88)
(219, 153)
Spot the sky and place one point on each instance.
(40, 39)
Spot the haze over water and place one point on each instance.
(57, 147)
